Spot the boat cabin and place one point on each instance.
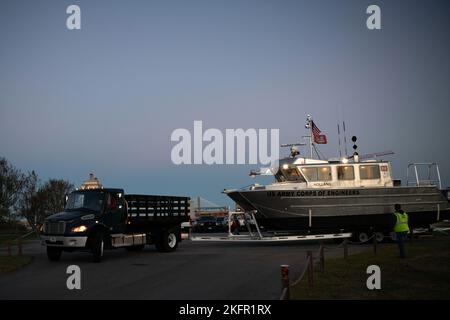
(312, 173)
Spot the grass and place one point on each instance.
(11, 263)
(424, 274)
(11, 237)
(8, 264)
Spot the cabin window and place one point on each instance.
(345, 173)
(369, 172)
(317, 173)
(310, 173)
(324, 173)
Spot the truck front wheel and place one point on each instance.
(97, 246)
(54, 253)
(168, 241)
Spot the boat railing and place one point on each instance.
(414, 171)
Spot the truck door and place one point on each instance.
(115, 213)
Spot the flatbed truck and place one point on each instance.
(97, 219)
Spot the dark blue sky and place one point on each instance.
(106, 98)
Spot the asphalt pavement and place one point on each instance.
(195, 271)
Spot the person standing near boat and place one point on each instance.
(235, 226)
(401, 228)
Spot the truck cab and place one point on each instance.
(103, 218)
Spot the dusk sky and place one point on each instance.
(106, 98)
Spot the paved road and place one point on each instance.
(194, 271)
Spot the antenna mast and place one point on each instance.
(308, 125)
(345, 140)
(339, 139)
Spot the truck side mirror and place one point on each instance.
(66, 198)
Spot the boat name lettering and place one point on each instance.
(312, 193)
(322, 184)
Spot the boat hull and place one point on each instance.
(342, 209)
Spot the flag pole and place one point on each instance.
(311, 136)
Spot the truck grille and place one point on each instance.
(55, 227)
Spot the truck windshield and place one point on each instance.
(91, 200)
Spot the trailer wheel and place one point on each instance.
(168, 241)
(54, 253)
(97, 246)
(363, 237)
(379, 236)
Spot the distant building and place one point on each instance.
(91, 183)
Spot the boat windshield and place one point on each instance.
(90, 200)
(289, 173)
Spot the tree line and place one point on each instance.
(24, 195)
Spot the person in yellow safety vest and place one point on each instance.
(401, 228)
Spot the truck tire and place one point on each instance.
(168, 241)
(54, 253)
(97, 246)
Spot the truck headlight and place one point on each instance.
(79, 229)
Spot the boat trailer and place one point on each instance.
(258, 236)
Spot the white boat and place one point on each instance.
(351, 194)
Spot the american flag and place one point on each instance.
(318, 138)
